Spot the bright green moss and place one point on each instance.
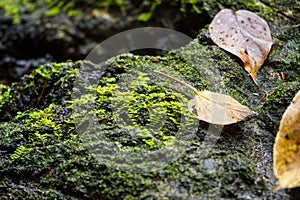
(15, 8)
(19, 152)
(12, 8)
(39, 120)
(47, 71)
(155, 113)
(150, 107)
(43, 72)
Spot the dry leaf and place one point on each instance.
(218, 108)
(213, 107)
(286, 153)
(243, 34)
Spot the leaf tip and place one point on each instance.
(251, 71)
(254, 80)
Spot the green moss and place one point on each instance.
(5, 95)
(49, 71)
(19, 152)
(276, 103)
(184, 7)
(11, 134)
(15, 8)
(150, 106)
(51, 83)
(55, 8)
(146, 105)
(264, 10)
(12, 8)
(42, 125)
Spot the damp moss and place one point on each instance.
(51, 83)
(151, 106)
(5, 95)
(263, 9)
(38, 121)
(276, 103)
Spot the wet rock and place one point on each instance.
(55, 128)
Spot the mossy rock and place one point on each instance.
(53, 135)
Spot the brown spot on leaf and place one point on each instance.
(287, 137)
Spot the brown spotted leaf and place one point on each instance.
(243, 34)
(213, 107)
(286, 155)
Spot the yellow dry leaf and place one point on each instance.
(286, 155)
(218, 108)
(213, 107)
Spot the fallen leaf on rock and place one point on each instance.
(286, 155)
(213, 107)
(243, 34)
(218, 108)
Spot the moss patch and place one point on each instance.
(274, 106)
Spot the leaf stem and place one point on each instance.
(178, 81)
